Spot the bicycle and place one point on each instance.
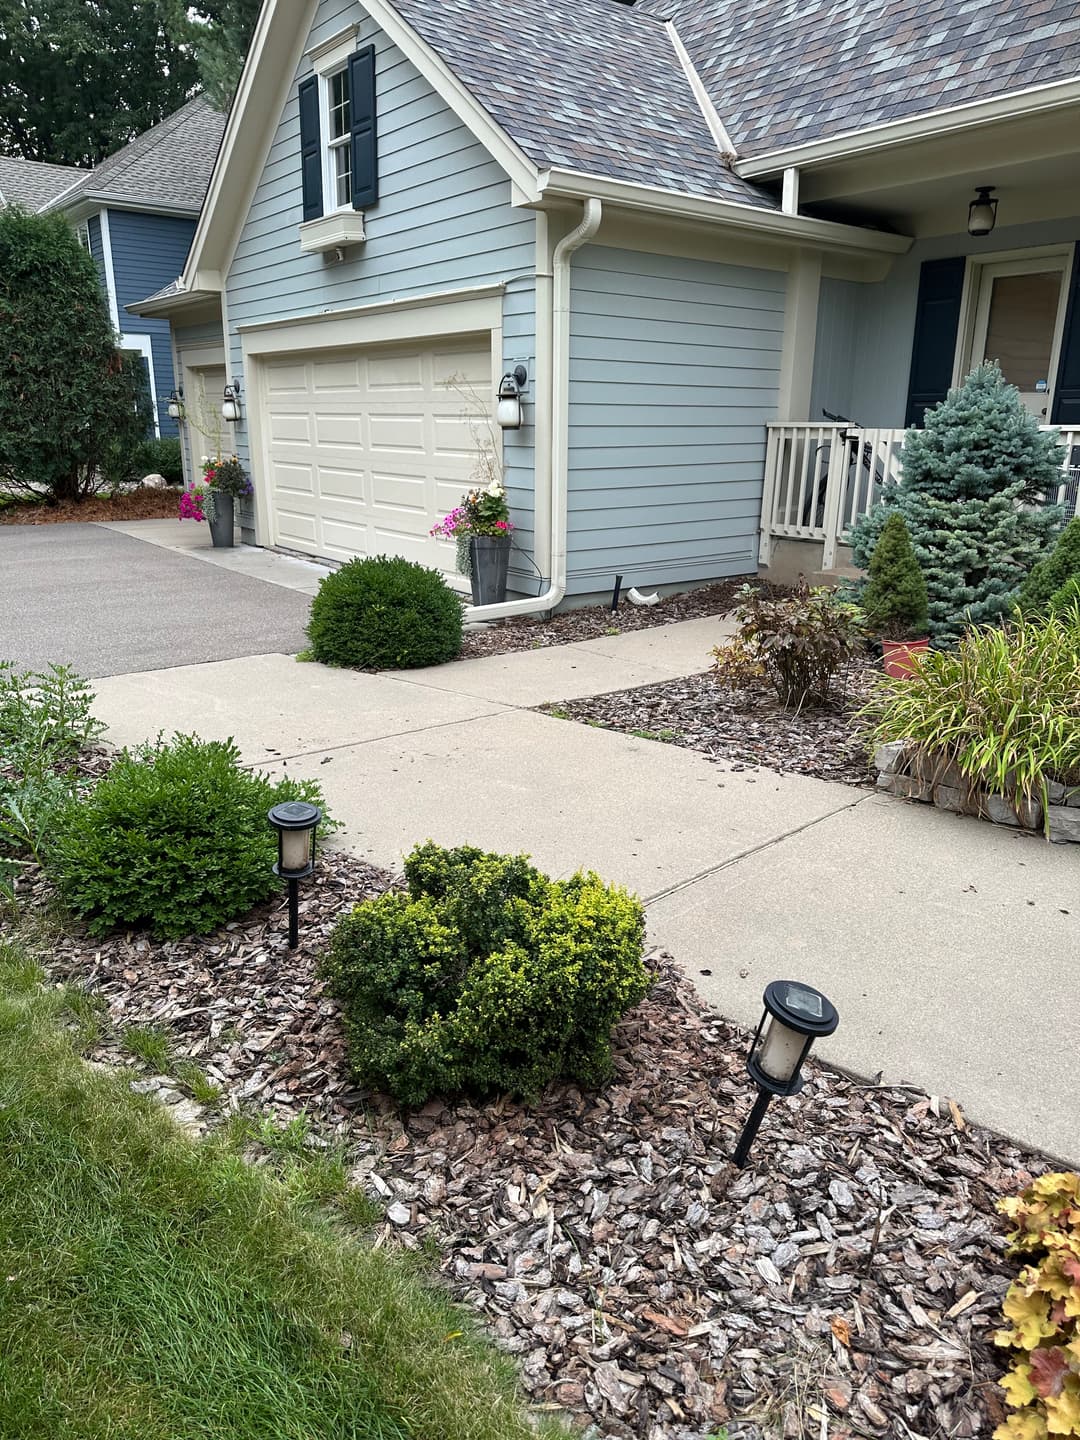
(855, 482)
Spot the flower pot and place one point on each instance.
(222, 521)
(489, 562)
(897, 656)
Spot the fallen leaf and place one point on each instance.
(842, 1330)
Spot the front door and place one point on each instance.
(1018, 320)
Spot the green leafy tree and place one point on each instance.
(218, 32)
(895, 601)
(971, 496)
(68, 400)
(1053, 571)
(79, 78)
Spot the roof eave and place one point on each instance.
(81, 207)
(730, 214)
(169, 305)
(938, 123)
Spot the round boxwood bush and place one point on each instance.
(385, 613)
(174, 839)
(485, 977)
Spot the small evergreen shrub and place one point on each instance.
(1053, 571)
(970, 493)
(1066, 597)
(385, 613)
(894, 600)
(174, 838)
(1042, 1310)
(485, 977)
(160, 457)
(1004, 705)
(796, 642)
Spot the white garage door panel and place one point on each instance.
(369, 448)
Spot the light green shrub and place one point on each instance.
(485, 977)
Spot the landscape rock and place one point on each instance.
(1064, 823)
(889, 758)
(154, 482)
(907, 787)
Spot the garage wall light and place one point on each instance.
(795, 1015)
(508, 413)
(230, 410)
(175, 404)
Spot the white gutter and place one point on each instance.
(553, 414)
(951, 121)
(726, 214)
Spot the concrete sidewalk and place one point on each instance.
(946, 944)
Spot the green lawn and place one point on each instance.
(152, 1288)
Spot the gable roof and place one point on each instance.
(167, 167)
(588, 85)
(786, 72)
(32, 183)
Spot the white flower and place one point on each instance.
(495, 489)
(204, 460)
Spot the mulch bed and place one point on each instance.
(136, 505)
(747, 727)
(594, 622)
(847, 1283)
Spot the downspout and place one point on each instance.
(554, 417)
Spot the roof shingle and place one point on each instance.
(32, 183)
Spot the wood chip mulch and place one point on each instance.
(594, 622)
(747, 728)
(136, 505)
(847, 1283)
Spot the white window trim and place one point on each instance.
(143, 345)
(329, 145)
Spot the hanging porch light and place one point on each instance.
(982, 212)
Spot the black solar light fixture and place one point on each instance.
(230, 406)
(511, 389)
(296, 823)
(982, 212)
(175, 404)
(795, 1015)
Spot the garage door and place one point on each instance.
(368, 448)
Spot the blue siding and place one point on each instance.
(97, 250)
(148, 251)
(674, 371)
(443, 222)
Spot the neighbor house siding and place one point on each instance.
(97, 249)
(834, 354)
(674, 370)
(148, 251)
(443, 222)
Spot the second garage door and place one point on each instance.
(368, 448)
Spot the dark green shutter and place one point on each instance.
(310, 148)
(1067, 388)
(365, 164)
(937, 322)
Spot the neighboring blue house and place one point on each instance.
(136, 214)
(694, 224)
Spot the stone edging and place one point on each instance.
(912, 774)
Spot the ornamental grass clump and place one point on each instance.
(1004, 706)
(385, 613)
(485, 977)
(174, 839)
(1043, 1311)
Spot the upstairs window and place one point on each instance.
(338, 153)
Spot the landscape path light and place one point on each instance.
(296, 823)
(795, 1015)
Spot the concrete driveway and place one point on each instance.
(107, 603)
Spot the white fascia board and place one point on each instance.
(280, 34)
(502, 149)
(920, 127)
(798, 229)
(107, 261)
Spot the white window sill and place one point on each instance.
(332, 232)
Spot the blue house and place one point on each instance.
(689, 227)
(136, 213)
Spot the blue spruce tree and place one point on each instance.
(972, 493)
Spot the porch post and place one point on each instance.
(800, 336)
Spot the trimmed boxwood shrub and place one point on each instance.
(174, 838)
(385, 613)
(485, 977)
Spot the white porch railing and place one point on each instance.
(819, 479)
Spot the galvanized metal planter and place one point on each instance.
(489, 560)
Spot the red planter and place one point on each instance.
(897, 655)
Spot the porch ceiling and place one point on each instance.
(923, 187)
